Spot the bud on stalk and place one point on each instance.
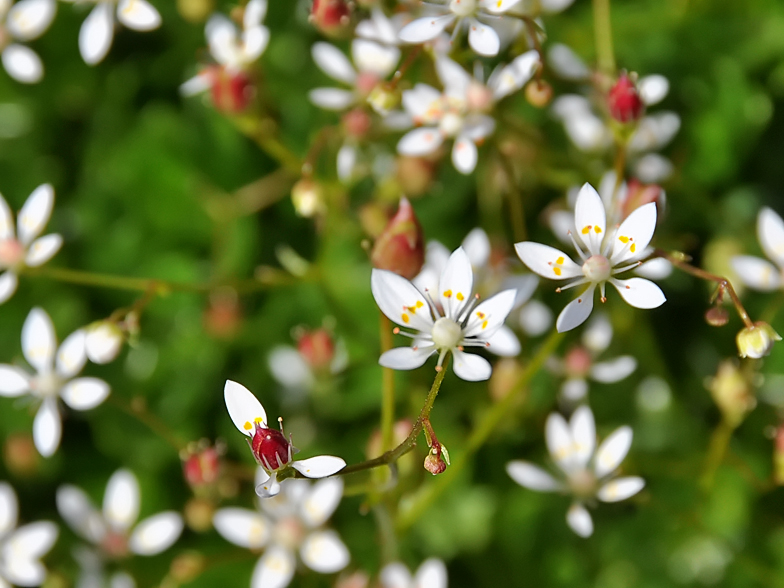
(231, 91)
(317, 348)
(401, 247)
(624, 101)
(756, 341)
(331, 17)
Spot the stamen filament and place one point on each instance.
(577, 247)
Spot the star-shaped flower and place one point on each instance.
(24, 21)
(608, 254)
(758, 273)
(54, 377)
(447, 323)
(431, 574)
(586, 473)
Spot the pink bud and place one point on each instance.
(317, 348)
(202, 467)
(231, 92)
(331, 17)
(624, 100)
(434, 463)
(401, 247)
(638, 194)
(356, 123)
(270, 448)
(577, 362)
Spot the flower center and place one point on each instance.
(578, 362)
(366, 81)
(597, 268)
(271, 449)
(46, 385)
(462, 7)
(289, 533)
(115, 545)
(451, 123)
(11, 250)
(446, 333)
(583, 483)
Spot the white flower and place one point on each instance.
(587, 473)
(431, 574)
(24, 21)
(450, 322)
(103, 341)
(97, 32)
(758, 273)
(606, 255)
(114, 529)
(23, 248)
(22, 548)
(92, 573)
(300, 369)
(288, 524)
(54, 377)
(270, 448)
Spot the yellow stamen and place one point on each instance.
(405, 318)
(557, 271)
(448, 294)
(560, 260)
(460, 296)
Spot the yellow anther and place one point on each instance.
(480, 314)
(587, 229)
(633, 247)
(557, 271)
(484, 325)
(405, 318)
(560, 260)
(460, 296)
(448, 294)
(258, 420)
(419, 304)
(623, 239)
(598, 229)
(247, 426)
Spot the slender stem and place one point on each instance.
(620, 168)
(138, 411)
(387, 388)
(401, 71)
(532, 27)
(717, 450)
(515, 197)
(602, 28)
(488, 424)
(262, 130)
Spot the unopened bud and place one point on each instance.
(756, 341)
(201, 466)
(414, 174)
(195, 11)
(356, 123)
(732, 393)
(271, 448)
(479, 97)
(198, 514)
(185, 567)
(401, 247)
(538, 93)
(223, 315)
(638, 194)
(624, 101)
(383, 98)
(717, 316)
(434, 462)
(20, 455)
(317, 348)
(231, 91)
(103, 341)
(307, 196)
(331, 17)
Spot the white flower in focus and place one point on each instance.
(114, 530)
(587, 473)
(447, 323)
(54, 377)
(22, 548)
(97, 32)
(291, 523)
(758, 273)
(24, 21)
(272, 451)
(431, 574)
(23, 248)
(608, 254)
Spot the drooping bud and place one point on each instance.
(732, 393)
(401, 247)
(717, 316)
(778, 456)
(331, 17)
(271, 448)
(103, 341)
(384, 97)
(538, 93)
(434, 463)
(317, 348)
(624, 101)
(307, 196)
(756, 341)
(356, 123)
(638, 194)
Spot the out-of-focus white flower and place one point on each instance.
(290, 523)
(587, 473)
(103, 341)
(97, 32)
(431, 574)
(22, 248)
(24, 21)
(535, 8)
(54, 377)
(22, 548)
(92, 573)
(317, 354)
(758, 273)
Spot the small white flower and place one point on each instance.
(24, 21)
(431, 574)
(103, 341)
(586, 473)
(290, 523)
(22, 248)
(22, 548)
(54, 377)
(296, 371)
(607, 254)
(270, 448)
(447, 323)
(758, 273)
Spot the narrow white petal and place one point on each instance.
(598, 333)
(477, 247)
(634, 234)
(324, 552)
(332, 98)
(566, 64)
(346, 161)
(43, 249)
(13, 382)
(455, 286)
(555, 6)
(319, 466)
(321, 501)
(199, 83)
(71, 356)
(244, 408)
(289, 368)
(222, 38)
(655, 269)
(76, 509)
(653, 89)
(498, 6)
(8, 285)
(255, 11)
(47, 428)
(103, 342)
(640, 293)
(478, 126)
(275, 568)
(395, 575)
(653, 168)
(420, 142)
(334, 63)
(34, 540)
(35, 213)
(514, 76)
(372, 57)
(400, 301)
(453, 77)
(612, 451)
(574, 389)
(483, 39)
(406, 358)
(254, 43)
(579, 520)
(22, 64)
(504, 343)
(96, 34)
(243, 527)
(471, 367)
(614, 370)
(138, 15)
(431, 574)
(156, 533)
(29, 19)
(558, 437)
(583, 435)
(425, 28)
(547, 261)
(6, 220)
(590, 218)
(9, 508)
(121, 500)
(268, 488)
(535, 318)
(532, 477)
(577, 311)
(488, 316)
(423, 103)
(620, 489)
(464, 155)
(770, 231)
(85, 393)
(654, 131)
(756, 273)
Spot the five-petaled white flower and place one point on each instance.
(758, 273)
(270, 448)
(605, 253)
(54, 377)
(22, 248)
(22, 548)
(449, 322)
(587, 474)
(114, 529)
(24, 21)
(431, 574)
(288, 524)
(97, 32)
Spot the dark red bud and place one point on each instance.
(270, 448)
(330, 16)
(317, 349)
(434, 463)
(231, 92)
(401, 247)
(202, 468)
(717, 316)
(624, 100)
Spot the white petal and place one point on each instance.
(35, 213)
(464, 155)
(590, 218)
(756, 273)
(566, 63)
(334, 63)
(121, 500)
(419, 142)
(598, 333)
(121, 580)
(244, 408)
(423, 103)
(612, 451)
(138, 15)
(346, 161)
(13, 381)
(555, 6)
(456, 283)
(547, 261)
(321, 501)
(640, 293)
(8, 284)
(614, 370)
(653, 89)
(275, 568)
(620, 489)
(9, 508)
(156, 533)
(332, 98)
(504, 343)
(222, 38)
(199, 83)
(103, 342)
(588, 132)
(634, 234)
(47, 428)
(498, 6)
(471, 367)
(514, 76)
(269, 487)
(425, 28)
(374, 58)
(532, 477)
(319, 466)
(406, 358)
(395, 575)
(478, 126)
(22, 64)
(770, 231)
(576, 312)
(583, 434)
(72, 356)
(28, 19)
(400, 301)
(255, 11)
(243, 527)
(655, 269)
(488, 316)
(324, 552)
(579, 520)
(34, 540)
(76, 509)
(483, 38)
(653, 168)
(477, 247)
(96, 34)
(574, 389)
(378, 28)
(558, 436)
(43, 249)
(654, 132)
(535, 318)
(453, 77)
(254, 42)
(6, 220)
(431, 574)
(289, 368)
(85, 393)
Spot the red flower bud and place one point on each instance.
(202, 467)
(270, 448)
(330, 16)
(356, 123)
(638, 194)
(231, 92)
(317, 348)
(401, 247)
(624, 100)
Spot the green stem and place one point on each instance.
(515, 198)
(717, 450)
(387, 389)
(138, 411)
(605, 56)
